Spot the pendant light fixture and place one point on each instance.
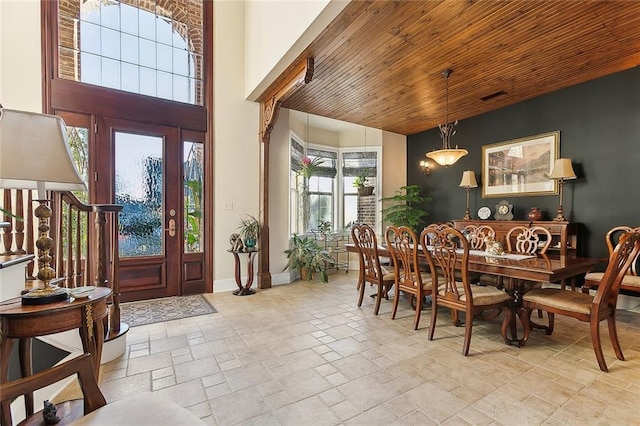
(447, 155)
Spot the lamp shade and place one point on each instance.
(447, 157)
(468, 179)
(562, 169)
(34, 153)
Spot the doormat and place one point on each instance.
(166, 309)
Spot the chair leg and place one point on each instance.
(539, 313)
(613, 332)
(526, 320)
(549, 330)
(395, 303)
(378, 299)
(597, 345)
(416, 317)
(434, 317)
(455, 318)
(361, 287)
(468, 325)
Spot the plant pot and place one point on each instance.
(365, 191)
(250, 243)
(306, 274)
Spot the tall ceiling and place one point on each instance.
(380, 62)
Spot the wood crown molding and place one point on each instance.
(301, 75)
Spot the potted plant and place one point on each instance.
(361, 183)
(249, 230)
(403, 209)
(307, 257)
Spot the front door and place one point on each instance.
(145, 176)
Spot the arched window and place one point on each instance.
(153, 48)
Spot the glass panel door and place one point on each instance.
(145, 170)
(194, 188)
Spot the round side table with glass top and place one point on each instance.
(244, 290)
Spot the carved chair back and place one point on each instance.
(528, 240)
(365, 240)
(449, 266)
(476, 235)
(613, 237)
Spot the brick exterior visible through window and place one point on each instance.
(165, 61)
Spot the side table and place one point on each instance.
(23, 323)
(246, 289)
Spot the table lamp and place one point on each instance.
(34, 154)
(468, 181)
(562, 170)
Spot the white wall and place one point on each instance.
(277, 32)
(236, 141)
(394, 163)
(279, 197)
(20, 62)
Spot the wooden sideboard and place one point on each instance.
(564, 234)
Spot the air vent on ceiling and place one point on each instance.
(493, 95)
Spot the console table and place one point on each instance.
(245, 290)
(23, 323)
(564, 234)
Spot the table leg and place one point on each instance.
(512, 311)
(6, 347)
(26, 369)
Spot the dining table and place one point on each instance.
(517, 269)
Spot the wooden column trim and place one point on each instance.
(300, 76)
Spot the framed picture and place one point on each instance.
(520, 167)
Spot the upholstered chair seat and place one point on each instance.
(572, 301)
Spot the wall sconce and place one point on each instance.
(425, 167)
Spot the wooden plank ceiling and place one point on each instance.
(380, 62)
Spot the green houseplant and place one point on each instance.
(307, 257)
(249, 230)
(402, 208)
(361, 183)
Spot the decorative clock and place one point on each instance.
(504, 211)
(484, 213)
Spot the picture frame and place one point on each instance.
(520, 167)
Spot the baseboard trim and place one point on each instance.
(229, 284)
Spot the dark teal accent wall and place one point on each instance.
(599, 124)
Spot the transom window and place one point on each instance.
(149, 47)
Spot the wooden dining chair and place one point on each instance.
(587, 308)
(404, 248)
(447, 249)
(477, 236)
(529, 240)
(371, 270)
(631, 280)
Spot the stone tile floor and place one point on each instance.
(305, 354)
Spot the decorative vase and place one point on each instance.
(250, 243)
(534, 214)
